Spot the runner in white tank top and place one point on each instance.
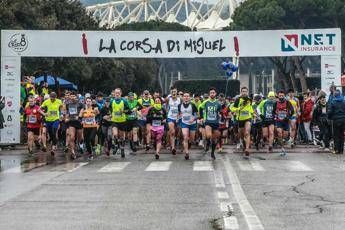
(172, 107)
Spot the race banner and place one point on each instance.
(157, 44)
(10, 92)
(330, 72)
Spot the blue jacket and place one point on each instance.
(336, 108)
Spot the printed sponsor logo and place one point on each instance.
(9, 67)
(308, 42)
(18, 43)
(9, 103)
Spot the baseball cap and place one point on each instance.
(271, 94)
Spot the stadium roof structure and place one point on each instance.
(197, 14)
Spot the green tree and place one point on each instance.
(290, 14)
(70, 15)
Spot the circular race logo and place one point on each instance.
(18, 43)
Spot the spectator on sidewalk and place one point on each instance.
(320, 118)
(2, 106)
(307, 114)
(336, 113)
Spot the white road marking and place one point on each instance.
(68, 167)
(202, 166)
(17, 169)
(114, 167)
(218, 177)
(24, 168)
(226, 206)
(230, 223)
(222, 195)
(297, 166)
(247, 210)
(159, 166)
(77, 166)
(250, 166)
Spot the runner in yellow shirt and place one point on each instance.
(52, 107)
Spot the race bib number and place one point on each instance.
(156, 123)
(174, 111)
(32, 119)
(211, 114)
(133, 115)
(53, 113)
(281, 115)
(118, 114)
(72, 110)
(269, 112)
(244, 113)
(186, 119)
(89, 120)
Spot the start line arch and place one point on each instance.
(156, 44)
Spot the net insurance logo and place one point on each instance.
(308, 42)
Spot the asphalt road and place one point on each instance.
(305, 190)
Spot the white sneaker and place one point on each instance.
(315, 142)
(326, 149)
(283, 152)
(201, 143)
(82, 147)
(238, 146)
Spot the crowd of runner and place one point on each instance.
(97, 124)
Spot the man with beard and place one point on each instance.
(209, 113)
(244, 112)
(74, 126)
(283, 111)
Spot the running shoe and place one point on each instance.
(115, 150)
(65, 150)
(73, 156)
(207, 146)
(98, 149)
(283, 152)
(213, 156)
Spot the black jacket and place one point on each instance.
(318, 115)
(2, 120)
(336, 110)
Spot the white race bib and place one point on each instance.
(156, 123)
(72, 110)
(89, 120)
(32, 119)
